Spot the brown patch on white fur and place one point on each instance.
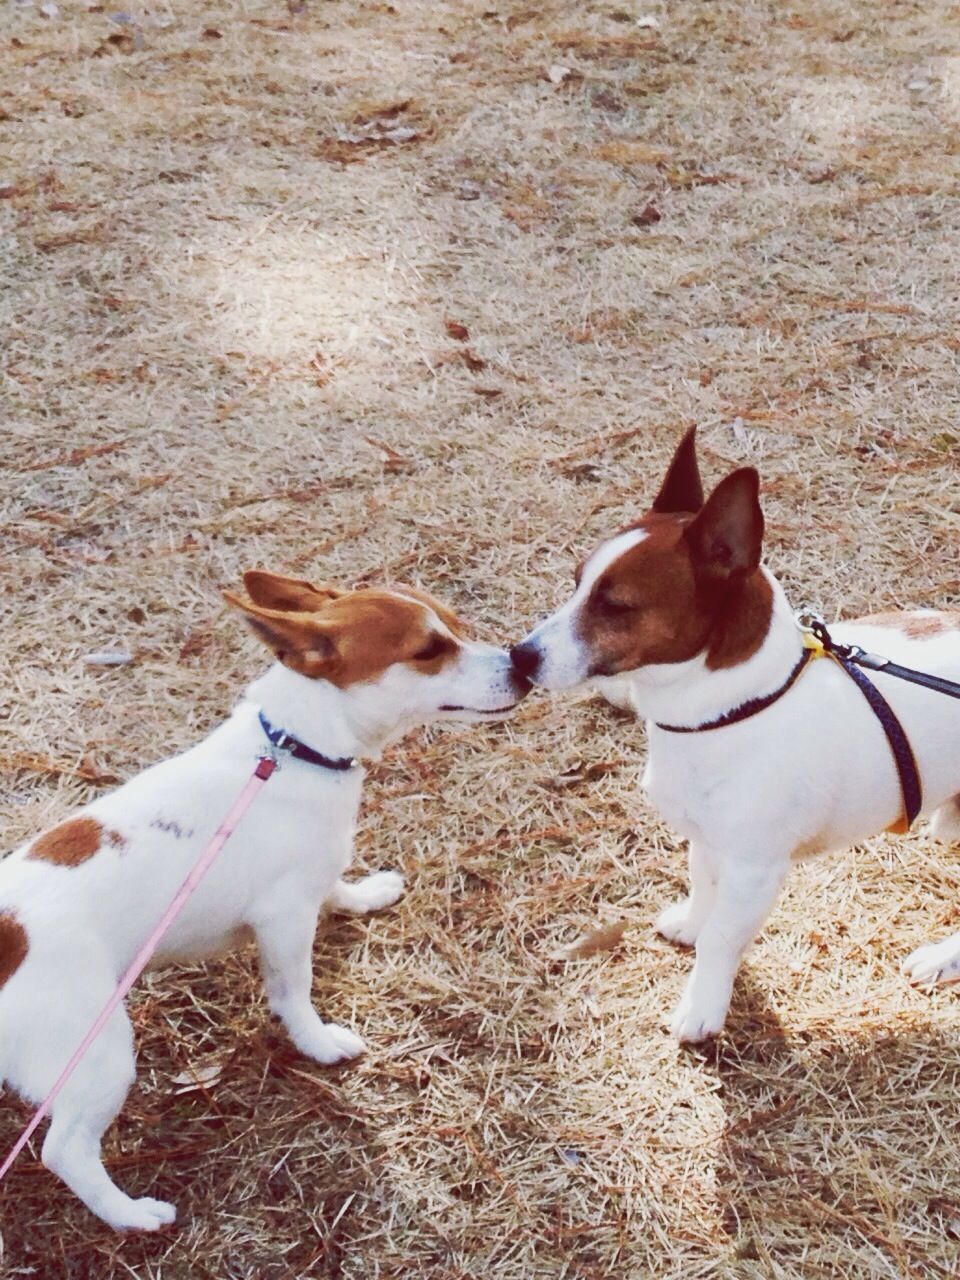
(919, 625)
(651, 606)
(357, 636)
(70, 844)
(13, 946)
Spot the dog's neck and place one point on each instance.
(692, 693)
(335, 722)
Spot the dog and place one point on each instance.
(676, 618)
(352, 672)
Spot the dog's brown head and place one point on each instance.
(682, 580)
(398, 647)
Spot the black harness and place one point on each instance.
(818, 643)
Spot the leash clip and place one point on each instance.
(872, 661)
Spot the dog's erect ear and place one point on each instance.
(276, 591)
(302, 643)
(726, 537)
(681, 489)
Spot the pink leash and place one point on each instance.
(262, 773)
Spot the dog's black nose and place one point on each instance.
(525, 658)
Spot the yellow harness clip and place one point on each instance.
(815, 646)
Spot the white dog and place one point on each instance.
(353, 671)
(676, 618)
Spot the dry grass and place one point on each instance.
(238, 239)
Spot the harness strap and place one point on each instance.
(818, 643)
(910, 786)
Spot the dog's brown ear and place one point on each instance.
(301, 642)
(682, 489)
(726, 537)
(276, 591)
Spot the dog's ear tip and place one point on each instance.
(682, 488)
(747, 478)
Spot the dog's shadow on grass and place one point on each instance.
(839, 1153)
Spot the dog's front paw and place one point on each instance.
(328, 1043)
(935, 962)
(697, 1020)
(674, 924)
(381, 889)
(145, 1214)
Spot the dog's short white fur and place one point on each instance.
(813, 772)
(83, 920)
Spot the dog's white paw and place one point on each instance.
(381, 889)
(694, 1021)
(673, 923)
(944, 822)
(372, 893)
(145, 1214)
(329, 1043)
(935, 962)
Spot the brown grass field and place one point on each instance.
(238, 241)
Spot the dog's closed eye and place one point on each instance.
(610, 606)
(436, 647)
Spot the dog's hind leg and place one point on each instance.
(372, 893)
(42, 1023)
(938, 961)
(945, 821)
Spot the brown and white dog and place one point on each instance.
(676, 618)
(354, 670)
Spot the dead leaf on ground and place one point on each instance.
(83, 235)
(384, 111)
(197, 1078)
(460, 332)
(393, 462)
(580, 772)
(605, 938)
(647, 216)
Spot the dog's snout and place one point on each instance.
(525, 659)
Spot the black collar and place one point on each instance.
(746, 709)
(287, 742)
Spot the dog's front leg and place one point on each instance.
(745, 895)
(682, 921)
(285, 931)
